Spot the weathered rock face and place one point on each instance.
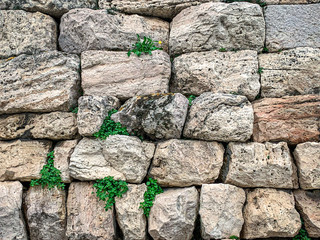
(217, 25)
(46, 213)
(291, 72)
(270, 213)
(220, 117)
(300, 23)
(24, 32)
(173, 214)
(183, 163)
(86, 29)
(22, 160)
(123, 157)
(92, 112)
(307, 156)
(87, 218)
(260, 165)
(221, 210)
(218, 72)
(11, 219)
(293, 119)
(158, 116)
(130, 217)
(44, 82)
(308, 204)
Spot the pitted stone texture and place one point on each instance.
(24, 32)
(158, 116)
(221, 211)
(294, 119)
(307, 156)
(123, 157)
(44, 82)
(86, 29)
(308, 204)
(116, 74)
(290, 1)
(218, 72)
(291, 72)
(217, 25)
(183, 163)
(92, 110)
(130, 216)
(270, 213)
(87, 218)
(22, 160)
(260, 165)
(291, 26)
(173, 214)
(46, 213)
(220, 117)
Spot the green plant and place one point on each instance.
(74, 110)
(260, 2)
(108, 188)
(222, 50)
(50, 176)
(112, 11)
(233, 237)
(265, 50)
(146, 46)
(302, 235)
(234, 93)
(153, 189)
(191, 98)
(260, 70)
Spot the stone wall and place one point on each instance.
(242, 160)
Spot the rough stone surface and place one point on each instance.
(290, 26)
(173, 214)
(307, 156)
(87, 218)
(260, 165)
(11, 219)
(157, 116)
(219, 72)
(291, 72)
(221, 210)
(92, 111)
(123, 157)
(44, 82)
(308, 204)
(291, 1)
(270, 213)
(220, 117)
(22, 160)
(183, 163)
(294, 119)
(86, 29)
(46, 213)
(130, 217)
(24, 32)
(217, 25)
(116, 74)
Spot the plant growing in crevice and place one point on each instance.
(74, 110)
(260, 70)
(222, 50)
(191, 98)
(302, 235)
(153, 189)
(146, 46)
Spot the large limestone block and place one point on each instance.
(120, 156)
(270, 213)
(11, 219)
(87, 218)
(221, 210)
(290, 26)
(260, 165)
(219, 117)
(86, 29)
(43, 82)
(291, 72)
(183, 163)
(24, 32)
(307, 156)
(217, 25)
(294, 119)
(218, 72)
(173, 214)
(46, 213)
(157, 116)
(22, 160)
(130, 216)
(116, 74)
